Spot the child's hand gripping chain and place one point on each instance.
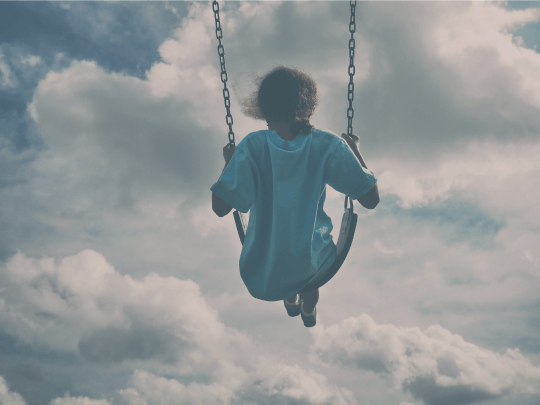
(228, 152)
(353, 141)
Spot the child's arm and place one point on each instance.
(371, 198)
(220, 207)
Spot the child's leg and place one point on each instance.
(310, 299)
(292, 300)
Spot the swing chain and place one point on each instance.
(352, 69)
(221, 53)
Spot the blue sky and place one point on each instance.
(121, 286)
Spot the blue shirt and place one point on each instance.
(283, 185)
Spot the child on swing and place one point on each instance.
(280, 174)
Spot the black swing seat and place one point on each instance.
(346, 235)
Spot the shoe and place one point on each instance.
(293, 309)
(309, 320)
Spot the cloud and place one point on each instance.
(433, 365)
(377, 244)
(442, 74)
(123, 152)
(480, 196)
(117, 152)
(292, 383)
(115, 144)
(6, 79)
(97, 122)
(417, 73)
(13, 166)
(82, 304)
(478, 171)
(119, 36)
(68, 400)
(32, 60)
(7, 397)
(150, 389)
(149, 135)
(269, 383)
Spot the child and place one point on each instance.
(280, 175)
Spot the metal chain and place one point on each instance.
(352, 69)
(221, 53)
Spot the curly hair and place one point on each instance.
(284, 94)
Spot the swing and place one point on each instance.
(350, 218)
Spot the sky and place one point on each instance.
(120, 286)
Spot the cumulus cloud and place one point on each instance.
(433, 365)
(139, 135)
(111, 123)
(111, 145)
(8, 397)
(460, 252)
(81, 303)
(6, 77)
(292, 383)
(13, 166)
(479, 171)
(31, 60)
(483, 196)
(444, 73)
(147, 388)
(69, 400)
(121, 36)
(269, 383)
(114, 142)
(153, 132)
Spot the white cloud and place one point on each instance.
(150, 389)
(481, 37)
(482, 171)
(266, 383)
(115, 141)
(110, 128)
(69, 400)
(6, 79)
(442, 74)
(443, 43)
(81, 303)
(13, 166)
(434, 365)
(295, 383)
(8, 397)
(385, 250)
(32, 60)
(129, 128)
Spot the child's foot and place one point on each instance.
(310, 319)
(293, 309)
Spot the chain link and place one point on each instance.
(352, 69)
(221, 53)
(224, 77)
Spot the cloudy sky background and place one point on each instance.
(119, 285)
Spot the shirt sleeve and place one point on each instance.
(345, 174)
(237, 185)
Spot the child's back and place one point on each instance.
(283, 184)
